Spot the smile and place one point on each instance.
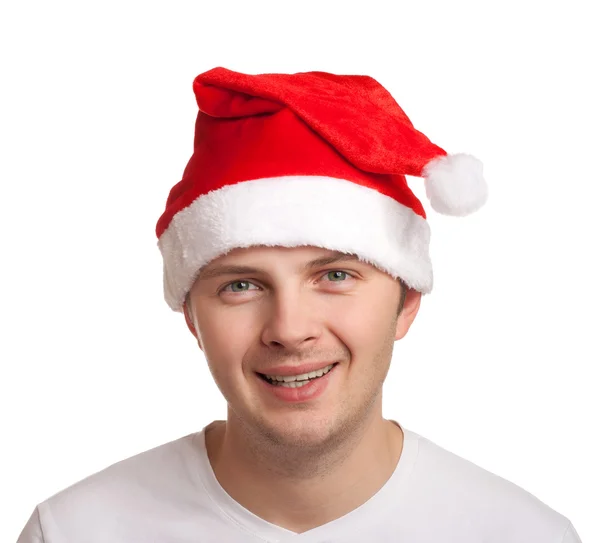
(296, 381)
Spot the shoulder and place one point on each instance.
(458, 488)
(154, 466)
(141, 483)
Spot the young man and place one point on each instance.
(298, 256)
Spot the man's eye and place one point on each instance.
(337, 276)
(334, 276)
(238, 286)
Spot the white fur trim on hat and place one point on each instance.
(295, 211)
(455, 185)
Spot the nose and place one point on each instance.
(291, 322)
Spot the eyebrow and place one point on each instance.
(218, 271)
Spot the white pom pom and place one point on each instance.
(454, 184)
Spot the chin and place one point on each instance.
(302, 431)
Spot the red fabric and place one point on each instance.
(314, 123)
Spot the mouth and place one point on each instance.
(297, 381)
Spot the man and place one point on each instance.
(298, 255)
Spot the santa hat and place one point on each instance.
(308, 159)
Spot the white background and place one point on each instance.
(97, 118)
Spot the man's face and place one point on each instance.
(282, 312)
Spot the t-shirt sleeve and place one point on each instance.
(32, 533)
(571, 535)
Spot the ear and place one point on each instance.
(412, 302)
(188, 320)
(187, 311)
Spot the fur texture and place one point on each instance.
(455, 185)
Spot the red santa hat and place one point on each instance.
(308, 159)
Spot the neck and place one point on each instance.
(299, 491)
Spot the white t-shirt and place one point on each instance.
(170, 494)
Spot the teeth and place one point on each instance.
(293, 381)
(294, 384)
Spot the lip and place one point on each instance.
(285, 371)
(307, 393)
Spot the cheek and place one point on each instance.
(225, 339)
(365, 326)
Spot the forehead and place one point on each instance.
(261, 257)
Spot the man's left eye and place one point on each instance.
(336, 275)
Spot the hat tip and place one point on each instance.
(454, 184)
